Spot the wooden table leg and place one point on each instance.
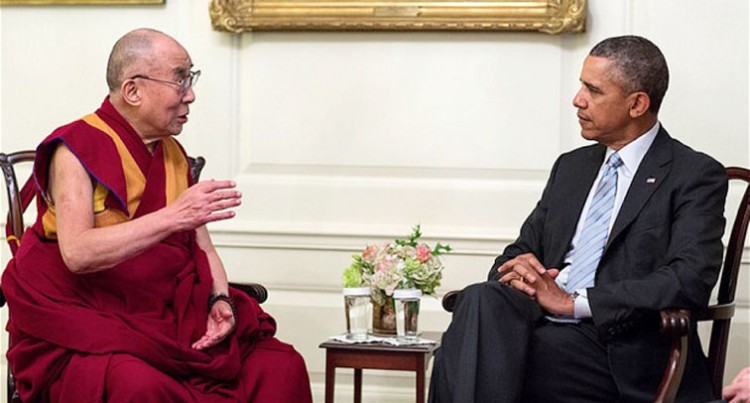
(330, 378)
(357, 385)
(421, 367)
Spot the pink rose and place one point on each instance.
(369, 253)
(423, 253)
(384, 265)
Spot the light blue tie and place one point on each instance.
(595, 231)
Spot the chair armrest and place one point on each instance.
(254, 290)
(675, 326)
(675, 322)
(449, 300)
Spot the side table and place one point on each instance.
(378, 356)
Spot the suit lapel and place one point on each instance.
(649, 176)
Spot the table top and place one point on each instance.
(416, 348)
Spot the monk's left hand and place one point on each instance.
(220, 323)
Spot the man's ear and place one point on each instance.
(130, 92)
(639, 104)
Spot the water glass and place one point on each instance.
(407, 313)
(358, 312)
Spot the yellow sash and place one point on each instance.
(176, 170)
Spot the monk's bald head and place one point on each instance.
(134, 49)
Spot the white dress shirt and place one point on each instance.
(632, 155)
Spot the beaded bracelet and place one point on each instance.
(214, 298)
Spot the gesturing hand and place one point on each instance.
(205, 202)
(220, 323)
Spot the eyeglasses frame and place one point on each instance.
(184, 84)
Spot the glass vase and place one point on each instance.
(384, 318)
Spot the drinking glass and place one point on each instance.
(407, 313)
(358, 312)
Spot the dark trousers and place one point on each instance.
(500, 348)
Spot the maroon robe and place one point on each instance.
(125, 333)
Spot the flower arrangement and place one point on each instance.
(403, 263)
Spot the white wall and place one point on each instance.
(342, 139)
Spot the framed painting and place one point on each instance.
(549, 16)
(79, 2)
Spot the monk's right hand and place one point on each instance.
(205, 202)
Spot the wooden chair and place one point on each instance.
(19, 200)
(676, 324)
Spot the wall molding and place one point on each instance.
(467, 244)
(352, 238)
(338, 237)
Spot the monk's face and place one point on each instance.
(165, 103)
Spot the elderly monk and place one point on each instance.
(116, 292)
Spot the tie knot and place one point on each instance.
(614, 161)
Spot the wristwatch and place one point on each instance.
(573, 298)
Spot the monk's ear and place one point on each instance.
(130, 92)
(639, 104)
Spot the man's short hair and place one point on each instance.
(639, 64)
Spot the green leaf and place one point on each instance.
(441, 249)
(352, 277)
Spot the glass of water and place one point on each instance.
(358, 312)
(407, 313)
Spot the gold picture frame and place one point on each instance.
(549, 16)
(77, 2)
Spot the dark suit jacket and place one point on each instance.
(664, 251)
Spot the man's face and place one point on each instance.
(165, 106)
(603, 107)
